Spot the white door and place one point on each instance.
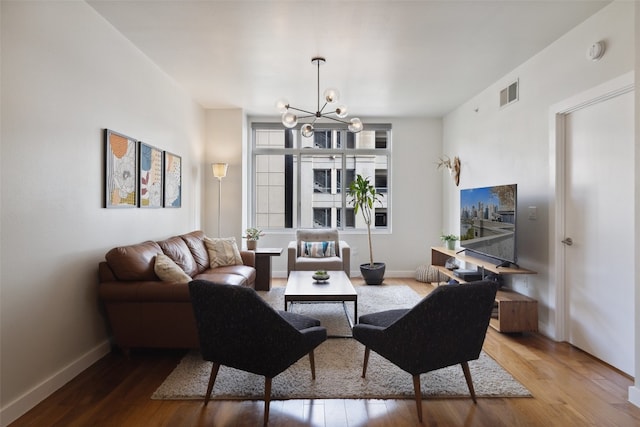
(599, 209)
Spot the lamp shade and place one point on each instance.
(219, 170)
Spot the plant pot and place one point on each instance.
(373, 275)
(451, 244)
(252, 245)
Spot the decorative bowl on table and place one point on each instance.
(320, 276)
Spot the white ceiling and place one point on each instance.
(387, 58)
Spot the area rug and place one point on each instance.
(339, 366)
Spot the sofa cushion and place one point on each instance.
(222, 251)
(176, 249)
(195, 242)
(134, 262)
(249, 273)
(168, 271)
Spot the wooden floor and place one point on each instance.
(569, 388)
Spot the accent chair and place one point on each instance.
(318, 249)
(446, 328)
(237, 328)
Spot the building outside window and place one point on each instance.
(302, 182)
(322, 180)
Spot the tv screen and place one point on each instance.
(488, 221)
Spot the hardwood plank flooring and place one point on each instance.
(569, 387)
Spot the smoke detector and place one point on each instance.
(595, 51)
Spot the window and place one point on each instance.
(302, 182)
(321, 217)
(381, 180)
(381, 217)
(322, 180)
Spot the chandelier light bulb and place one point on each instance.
(307, 130)
(342, 111)
(356, 125)
(331, 95)
(282, 105)
(289, 119)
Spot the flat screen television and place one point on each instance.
(488, 222)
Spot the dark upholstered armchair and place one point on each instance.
(446, 328)
(239, 329)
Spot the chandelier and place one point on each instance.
(331, 96)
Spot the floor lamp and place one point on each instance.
(219, 171)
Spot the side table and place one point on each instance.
(263, 267)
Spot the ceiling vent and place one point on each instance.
(509, 94)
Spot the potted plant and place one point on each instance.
(363, 196)
(252, 235)
(449, 240)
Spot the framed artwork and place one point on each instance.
(120, 171)
(150, 172)
(172, 180)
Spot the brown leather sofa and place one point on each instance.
(144, 311)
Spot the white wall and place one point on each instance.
(416, 212)
(512, 145)
(225, 136)
(67, 74)
(634, 391)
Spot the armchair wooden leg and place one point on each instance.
(366, 361)
(267, 399)
(312, 360)
(418, 393)
(467, 376)
(212, 379)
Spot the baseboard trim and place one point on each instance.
(634, 395)
(18, 407)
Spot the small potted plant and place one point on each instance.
(449, 240)
(252, 235)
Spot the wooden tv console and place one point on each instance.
(514, 312)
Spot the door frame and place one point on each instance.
(557, 204)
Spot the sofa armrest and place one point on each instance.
(292, 254)
(345, 254)
(248, 258)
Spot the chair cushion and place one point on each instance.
(326, 263)
(222, 251)
(317, 235)
(299, 321)
(219, 278)
(383, 318)
(168, 271)
(317, 249)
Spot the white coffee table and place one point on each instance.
(301, 287)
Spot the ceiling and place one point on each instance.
(387, 58)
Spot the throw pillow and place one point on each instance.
(168, 271)
(222, 251)
(318, 249)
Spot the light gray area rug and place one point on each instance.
(339, 365)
